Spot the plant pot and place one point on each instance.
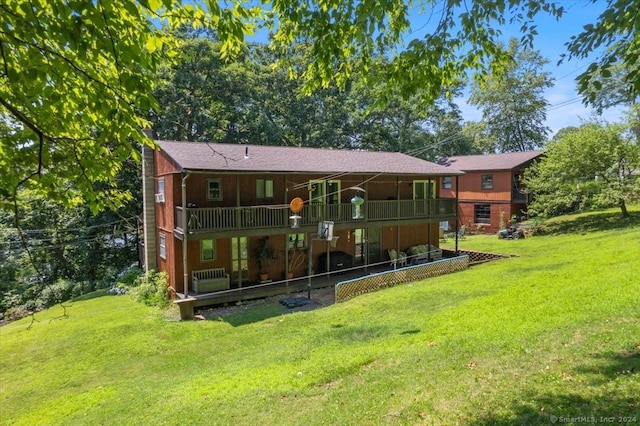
(289, 275)
(264, 277)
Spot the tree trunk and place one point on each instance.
(623, 207)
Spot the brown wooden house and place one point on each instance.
(209, 208)
(490, 191)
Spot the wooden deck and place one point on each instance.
(275, 288)
(284, 287)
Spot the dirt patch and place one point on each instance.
(320, 298)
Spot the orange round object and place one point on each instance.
(296, 204)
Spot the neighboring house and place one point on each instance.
(490, 191)
(208, 207)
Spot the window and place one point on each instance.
(160, 185)
(487, 181)
(207, 250)
(446, 182)
(264, 188)
(163, 246)
(214, 189)
(482, 213)
(296, 241)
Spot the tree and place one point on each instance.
(614, 90)
(56, 242)
(77, 77)
(197, 93)
(617, 30)
(479, 142)
(594, 166)
(512, 102)
(247, 100)
(563, 132)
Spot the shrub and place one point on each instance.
(118, 289)
(129, 276)
(81, 288)
(60, 291)
(9, 300)
(536, 226)
(16, 313)
(152, 289)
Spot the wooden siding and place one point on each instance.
(409, 235)
(470, 187)
(502, 199)
(239, 197)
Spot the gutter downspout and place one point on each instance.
(397, 216)
(185, 223)
(457, 215)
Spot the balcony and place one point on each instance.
(207, 219)
(519, 197)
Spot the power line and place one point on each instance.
(43, 230)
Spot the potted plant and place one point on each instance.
(296, 259)
(265, 254)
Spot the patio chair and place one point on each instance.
(461, 235)
(397, 258)
(443, 236)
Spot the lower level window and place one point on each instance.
(207, 250)
(482, 213)
(296, 241)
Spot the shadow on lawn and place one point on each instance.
(597, 221)
(599, 406)
(263, 309)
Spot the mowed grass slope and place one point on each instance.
(554, 331)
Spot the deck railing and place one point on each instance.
(203, 219)
(347, 289)
(519, 197)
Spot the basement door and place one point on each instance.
(239, 261)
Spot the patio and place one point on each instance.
(368, 278)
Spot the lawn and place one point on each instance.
(550, 334)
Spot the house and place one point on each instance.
(211, 209)
(490, 191)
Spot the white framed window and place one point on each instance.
(487, 181)
(264, 188)
(159, 195)
(163, 246)
(214, 189)
(446, 182)
(482, 213)
(207, 250)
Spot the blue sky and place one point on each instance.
(566, 108)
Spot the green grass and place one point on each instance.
(554, 331)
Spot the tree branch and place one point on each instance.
(113, 46)
(4, 59)
(70, 62)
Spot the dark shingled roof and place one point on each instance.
(507, 161)
(261, 158)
